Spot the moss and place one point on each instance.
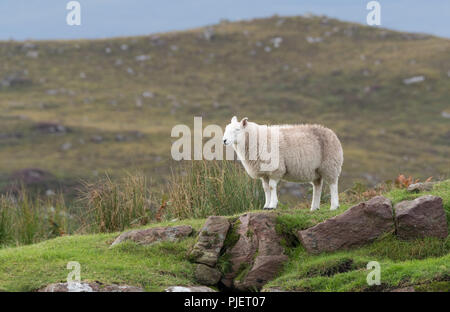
(223, 263)
(242, 271)
(232, 235)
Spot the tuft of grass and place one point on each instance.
(115, 205)
(212, 188)
(27, 219)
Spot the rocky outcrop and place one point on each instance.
(257, 256)
(420, 187)
(210, 241)
(358, 225)
(189, 289)
(89, 287)
(243, 255)
(153, 235)
(422, 217)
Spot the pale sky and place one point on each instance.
(46, 19)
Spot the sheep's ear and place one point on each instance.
(244, 122)
(234, 119)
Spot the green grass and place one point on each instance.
(421, 263)
(403, 263)
(151, 267)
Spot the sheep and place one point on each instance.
(306, 153)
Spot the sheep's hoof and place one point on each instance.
(268, 208)
(314, 209)
(334, 208)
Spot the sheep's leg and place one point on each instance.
(334, 195)
(265, 184)
(317, 193)
(273, 194)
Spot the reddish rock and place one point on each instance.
(422, 217)
(258, 255)
(153, 235)
(89, 287)
(210, 241)
(358, 225)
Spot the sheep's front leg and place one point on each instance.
(265, 184)
(317, 193)
(273, 194)
(334, 196)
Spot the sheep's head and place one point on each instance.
(234, 131)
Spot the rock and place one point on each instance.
(33, 54)
(421, 217)
(445, 114)
(276, 42)
(153, 235)
(358, 225)
(314, 39)
(143, 58)
(50, 127)
(258, 254)
(415, 79)
(189, 289)
(206, 275)
(15, 80)
(208, 33)
(89, 287)
(210, 241)
(420, 187)
(66, 146)
(31, 176)
(96, 139)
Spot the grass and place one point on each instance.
(212, 188)
(27, 219)
(422, 263)
(403, 263)
(113, 206)
(151, 267)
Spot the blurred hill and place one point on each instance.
(79, 108)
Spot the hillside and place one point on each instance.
(118, 99)
(421, 263)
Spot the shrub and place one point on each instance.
(206, 188)
(115, 205)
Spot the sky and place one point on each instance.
(46, 19)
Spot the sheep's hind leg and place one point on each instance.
(273, 194)
(317, 193)
(334, 195)
(265, 184)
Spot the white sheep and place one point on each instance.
(306, 153)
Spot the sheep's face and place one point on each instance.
(234, 130)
